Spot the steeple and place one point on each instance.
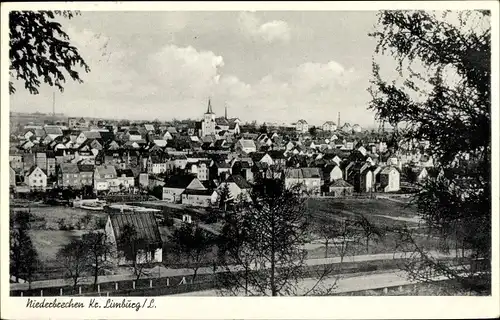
(225, 113)
(209, 108)
(338, 121)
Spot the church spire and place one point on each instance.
(209, 108)
(225, 113)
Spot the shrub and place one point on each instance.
(167, 221)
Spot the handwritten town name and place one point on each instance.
(93, 303)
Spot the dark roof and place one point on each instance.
(179, 181)
(69, 168)
(222, 164)
(276, 154)
(239, 181)
(144, 224)
(107, 136)
(126, 172)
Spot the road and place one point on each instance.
(167, 272)
(394, 278)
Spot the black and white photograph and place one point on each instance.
(248, 153)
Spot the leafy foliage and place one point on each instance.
(445, 98)
(40, 50)
(23, 255)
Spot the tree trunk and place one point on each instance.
(246, 279)
(195, 273)
(96, 272)
(367, 245)
(75, 283)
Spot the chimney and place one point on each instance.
(338, 121)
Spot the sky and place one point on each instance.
(274, 66)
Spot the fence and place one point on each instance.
(205, 281)
(181, 284)
(150, 286)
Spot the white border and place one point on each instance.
(260, 308)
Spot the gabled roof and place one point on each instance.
(178, 181)
(33, 168)
(53, 130)
(302, 173)
(247, 143)
(106, 170)
(239, 181)
(92, 134)
(69, 168)
(144, 224)
(340, 183)
(221, 121)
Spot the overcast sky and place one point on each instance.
(265, 66)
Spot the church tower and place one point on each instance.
(208, 124)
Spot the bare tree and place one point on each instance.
(74, 258)
(98, 249)
(136, 250)
(369, 230)
(266, 241)
(192, 244)
(327, 231)
(345, 236)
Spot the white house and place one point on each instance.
(176, 185)
(389, 179)
(301, 126)
(308, 178)
(36, 178)
(156, 165)
(105, 178)
(238, 187)
(329, 126)
(125, 178)
(199, 198)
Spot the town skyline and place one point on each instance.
(269, 67)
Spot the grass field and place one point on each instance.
(383, 213)
(52, 214)
(379, 211)
(48, 242)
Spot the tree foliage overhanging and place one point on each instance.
(40, 50)
(442, 94)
